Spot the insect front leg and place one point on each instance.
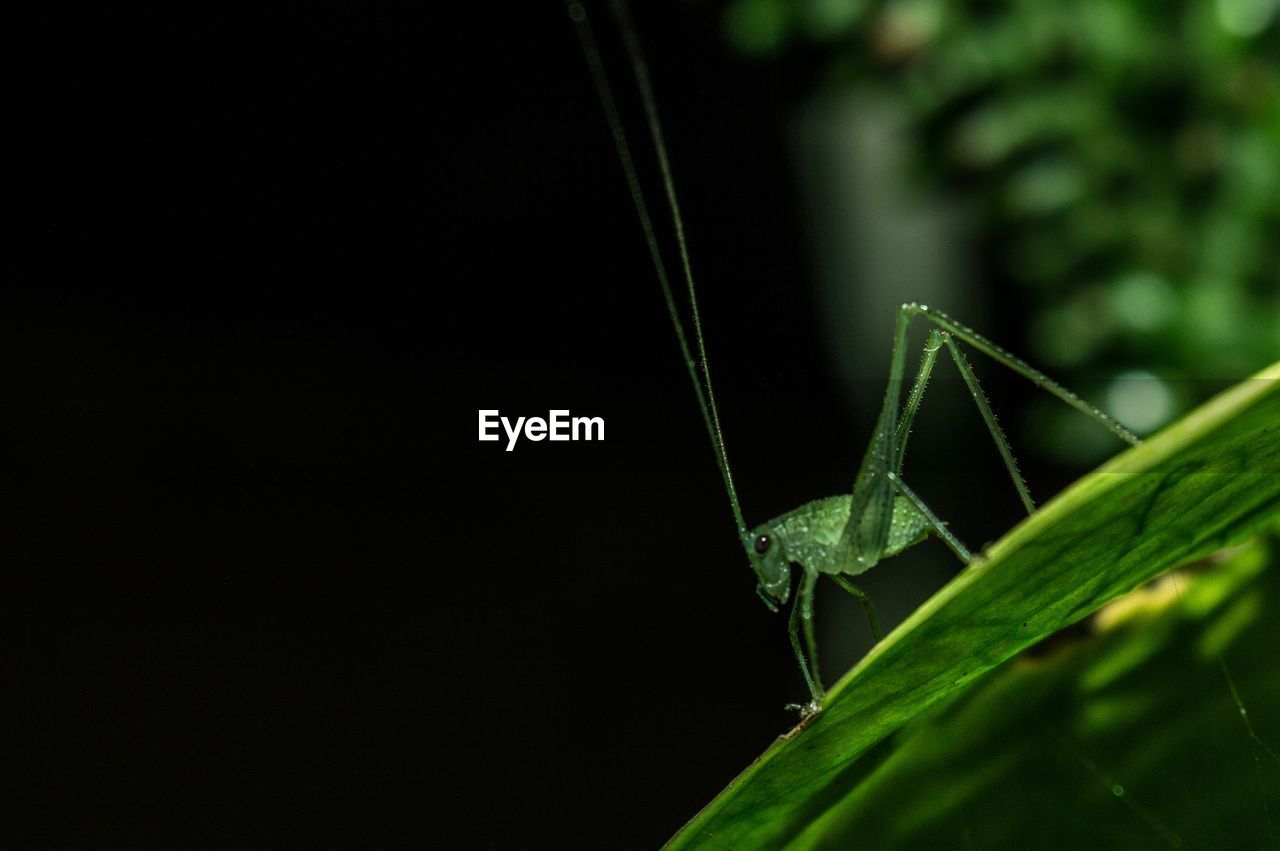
(802, 619)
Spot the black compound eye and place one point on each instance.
(762, 544)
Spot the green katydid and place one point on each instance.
(839, 536)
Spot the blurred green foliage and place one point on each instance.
(1122, 158)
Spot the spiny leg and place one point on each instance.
(938, 339)
(865, 599)
(930, 356)
(989, 417)
(991, 350)
(937, 525)
(793, 627)
(866, 534)
(871, 510)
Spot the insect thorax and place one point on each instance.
(811, 534)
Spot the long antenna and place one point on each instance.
(701, 386)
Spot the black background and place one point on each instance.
(266, 588)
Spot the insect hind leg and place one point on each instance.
(937, 526)
(989, 417)
(1035, 376)
(937, 340)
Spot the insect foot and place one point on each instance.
(806, 710)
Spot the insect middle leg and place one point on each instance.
(865, 599)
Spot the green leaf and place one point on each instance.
(1129, 733)
(1208, 481)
